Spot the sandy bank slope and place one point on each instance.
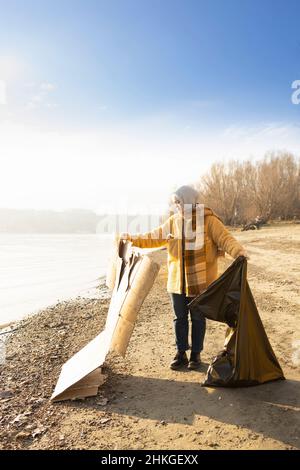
(144, 404)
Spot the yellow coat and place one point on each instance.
(217, 237)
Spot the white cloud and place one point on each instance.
(256, 140)
(133, 166)
(48, 87)
(52, 105)
(40, 98)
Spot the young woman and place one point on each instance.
(194, 237)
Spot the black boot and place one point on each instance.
(179, 360)
(195, 361)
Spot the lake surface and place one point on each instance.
(38, 270)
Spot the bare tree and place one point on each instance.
(239, 191)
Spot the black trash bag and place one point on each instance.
(247, 358)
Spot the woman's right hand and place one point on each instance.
(244, 253)
(125, 236)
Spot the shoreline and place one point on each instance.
(98, 292)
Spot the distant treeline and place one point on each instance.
(241, 191)
(44, 221)
(71, 221)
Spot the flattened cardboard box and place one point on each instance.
(131, 276)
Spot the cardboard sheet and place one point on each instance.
(134, 276)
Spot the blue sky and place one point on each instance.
(174, 77)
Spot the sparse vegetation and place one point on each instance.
(240, 191)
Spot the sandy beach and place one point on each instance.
(143, 404)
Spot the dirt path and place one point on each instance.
(149, 406)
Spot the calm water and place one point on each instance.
(38, 270)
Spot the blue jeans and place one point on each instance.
(181, 323)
